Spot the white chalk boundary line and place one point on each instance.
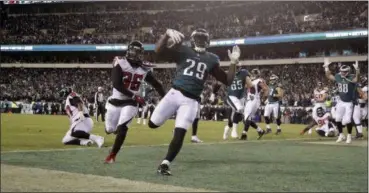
(161, 145)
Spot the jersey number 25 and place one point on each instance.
(199, 72)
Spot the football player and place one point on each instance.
(81, 122)
(235, 99)
(253, 103)
(128, 73)
(320, 95)
(346, 83)
(325, 127)
(195, 124)
(275, 96)
(194, 64)
(361, 107)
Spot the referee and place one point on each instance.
(99, 104)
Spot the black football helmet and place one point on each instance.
(200, 40)
(135, 52)
(255, 73)
(320, 112)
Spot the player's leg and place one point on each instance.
(249, 111)
(69, 140)
(347, 119)
(195, 124)
(340, 112)
(139, 115)
(144, 114)
(267, 112)
(81, 130)
(308, 127)
(237, 106)
(277, 115)
(127, 113)
(364, 116)
(229, 125)
(187, 109)
(357, 120)
(112, 118)
(165, 109)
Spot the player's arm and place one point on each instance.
(150, 79)
(357, 72)
(328, 73)
(280, 93)
(117, 77)
(264, 89)
(162, 44)
(220, 75)
(362, 94)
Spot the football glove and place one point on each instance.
(234, 55)
(356, 65)
(326, 64)
(175, 36)
(139, 100)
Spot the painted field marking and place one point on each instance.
(160, 145)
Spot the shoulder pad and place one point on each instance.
(117, 60)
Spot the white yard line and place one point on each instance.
(160, 145)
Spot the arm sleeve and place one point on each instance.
(219, 74)
(117, 77)
(155, 83)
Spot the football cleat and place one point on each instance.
(164, 170)
(100, 141)
(195, 139)
(269, 130)
(87, 142)
(341, 138)
(226, 132)
(359, 136)
(110, 159)
(234, 134)
(243, 136)
(348, 138)
(279, 131)
(261, 133)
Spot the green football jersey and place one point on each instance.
(272, 91)
(193, 69)
(237, 87)
(346, 88)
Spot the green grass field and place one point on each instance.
(34, 159)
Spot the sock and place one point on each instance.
(73, 142)
(349, 128)
(230, 120)
(119, 138)
(176, 144)
(246, 126)
(253, 125)
(279, 124)
(194, 126)
(80, 134)
(234, 128)
(339, 127)
(359, 128)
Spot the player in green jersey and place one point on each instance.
(346, 84)
(194, 64)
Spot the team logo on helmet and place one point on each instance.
(273, 79)
(135, 51)
(344, 70)
(200, 40)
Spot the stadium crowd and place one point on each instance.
(117, 23)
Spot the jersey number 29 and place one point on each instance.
(199, 72)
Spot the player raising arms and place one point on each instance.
(361, 107)
(81, 122)
(346, 90)
(275, 96)
(253, 103)
(127, 75)
(194, 64)
(236, 100)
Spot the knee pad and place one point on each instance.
(237, 118)
(152, 125)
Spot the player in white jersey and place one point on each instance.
(361, 107)
(325, 128)
(253, 101)
(81, 123)
(127, 75)
(320, 95)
